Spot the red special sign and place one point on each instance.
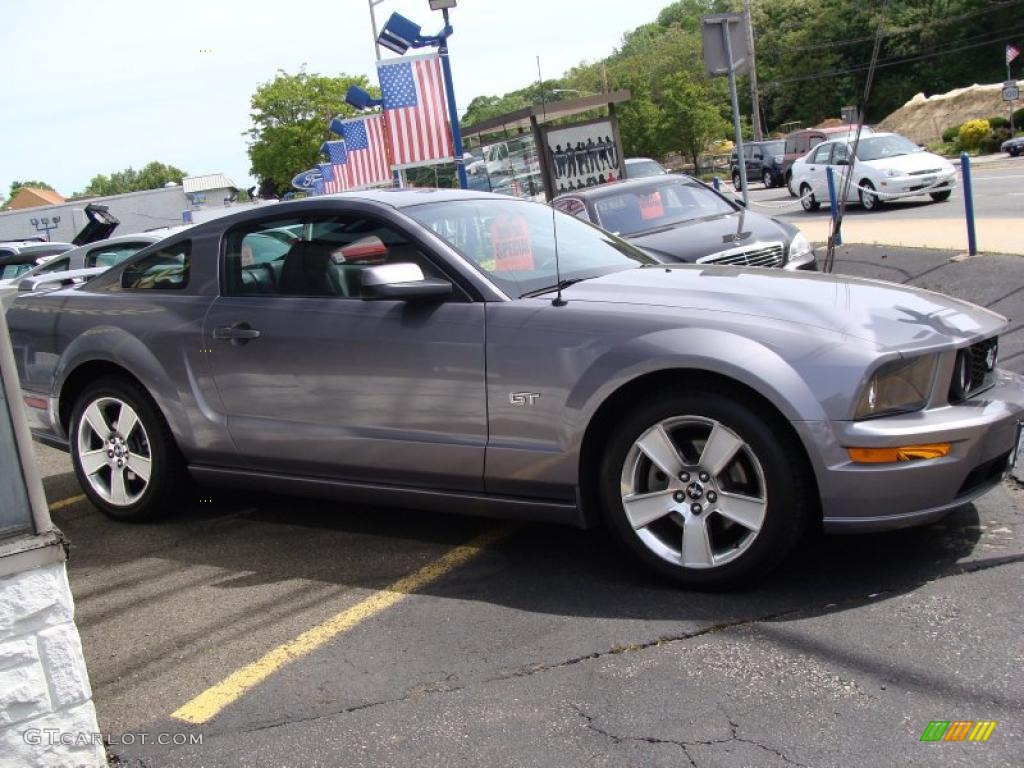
(510, 244)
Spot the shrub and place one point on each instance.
(990, 144)
(971, 133)
(949, 135)
(998, 122)
(1018, 118)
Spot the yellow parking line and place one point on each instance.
(66, 502)
(211, 701)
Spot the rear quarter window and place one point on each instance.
(166, 269)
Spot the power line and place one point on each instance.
(896, 61)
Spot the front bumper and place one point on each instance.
(871, 497)
(908, 185)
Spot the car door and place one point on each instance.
(817, 164)
(839, 162)
(316, 381)
(755, 162)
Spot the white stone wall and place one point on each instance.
(46, 712)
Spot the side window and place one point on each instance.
(821, 154)
(321, 256)
(166, 269)
(58, 265)
(574, 207)
(108, 256)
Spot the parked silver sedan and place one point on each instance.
(459, 351)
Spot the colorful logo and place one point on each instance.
(958, 730)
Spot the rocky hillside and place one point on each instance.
(922, 119)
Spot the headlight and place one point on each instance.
(778, 159)
(799, 248)
(899, 386)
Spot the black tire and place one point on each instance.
(168, 481)
(1013, 151)
(941, 197)
(807, 199)
(869, 199)
(736, 182)
(789, 184)
(767, 179)
(786, 481)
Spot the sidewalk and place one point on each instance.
(994, 235)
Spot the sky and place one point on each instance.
(95, 87)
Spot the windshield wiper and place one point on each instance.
(556, 287)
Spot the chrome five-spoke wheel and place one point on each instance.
(114, 451)
(694, 492)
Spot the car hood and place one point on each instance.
(691, 240)
(917, 161)
(885, 315)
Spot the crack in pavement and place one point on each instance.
(734, 737)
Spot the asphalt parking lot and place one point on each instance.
(537, 645)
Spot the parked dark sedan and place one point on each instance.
(679, 219)
(461, 351)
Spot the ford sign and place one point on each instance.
(307, 179)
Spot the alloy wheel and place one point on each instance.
(694, 492)
(114, 451)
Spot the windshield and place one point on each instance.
(636, 169)
(881, 147)
(513, 244)
(653, 206)
(774, 147)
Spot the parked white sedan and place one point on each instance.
(888, 167)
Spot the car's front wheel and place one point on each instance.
(123, 452)
(941, 197)
(736, 181)
(807, 198)
(702, 489)
(869, 199)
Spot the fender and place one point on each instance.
(115, 345)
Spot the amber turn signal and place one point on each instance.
(891, 455)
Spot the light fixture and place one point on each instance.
(399, 34)
(440, 5)
(356, 98)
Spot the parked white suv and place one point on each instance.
(888, 167)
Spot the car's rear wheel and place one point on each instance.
(767, 180)
(702, 489)
(807, 198)
(789, 184)
(869, 199)
(123, 452)
(736, 181)
(941, 197)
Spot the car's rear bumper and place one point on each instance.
(868, 497)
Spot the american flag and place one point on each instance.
(367, 164)
(417, 114)
(334, 171)
(318, 187)
(1012, 52)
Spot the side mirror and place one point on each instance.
(401, 282)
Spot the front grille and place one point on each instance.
(981, 373)
(985, 474)
(757, 255)
(924, 173)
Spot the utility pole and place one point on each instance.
(755, 101)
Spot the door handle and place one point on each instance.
(239, 332)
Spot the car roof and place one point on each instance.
(613, 187)
(137, 237)
(838, 139)
(27, 254)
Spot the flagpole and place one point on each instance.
(396, 176)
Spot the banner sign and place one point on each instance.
(582, 156)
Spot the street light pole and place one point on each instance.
(446, 69)
(373, 24)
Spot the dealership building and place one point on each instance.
(196, 199)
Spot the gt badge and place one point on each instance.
(523, 398)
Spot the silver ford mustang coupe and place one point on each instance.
(458, 351)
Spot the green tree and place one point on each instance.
(690, 120)
(290, 115)
(152, 176)
(17, 185)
